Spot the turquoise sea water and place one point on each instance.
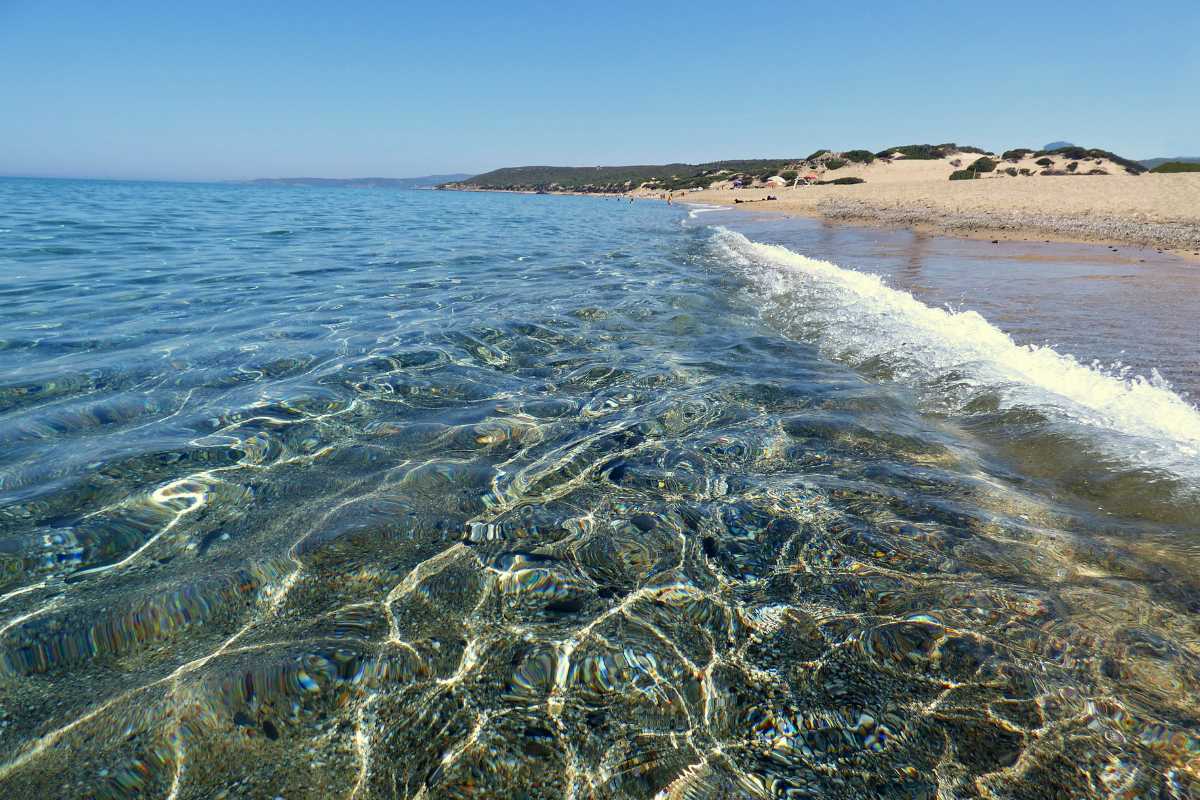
(363, 493)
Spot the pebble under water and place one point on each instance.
(372, 494)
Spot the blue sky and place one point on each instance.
(242, 89)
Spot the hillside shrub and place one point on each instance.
(841, 182)
(816, 155)
(1016, 154)
(835, 163)
(917, 151)
(1044, 162)
(1074, 165)
(963, 175)
(1011, 172)
(859, 156)
(788, 175)
(983, 164)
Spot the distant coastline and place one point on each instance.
(422, 182)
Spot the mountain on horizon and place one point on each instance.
(422, 182)
(1151, 163)
(1057, 145)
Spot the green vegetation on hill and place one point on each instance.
(859, 156)
(1177, 166)
(1074, 153)
(1151, 163)
(679, 176)
(981, 164)
(920, 151)
(667, 177)
(928, 152)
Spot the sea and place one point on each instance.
(366, 493)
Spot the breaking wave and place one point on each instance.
(961, 363)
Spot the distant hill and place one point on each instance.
(423, 182)
(1178, 166)
(668, 177)
(1064, 160)
(1151, 163)
(1059, 145)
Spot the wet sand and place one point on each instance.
(1157, 211)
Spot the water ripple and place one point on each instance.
(321, 493)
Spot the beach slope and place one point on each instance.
(1151, 210)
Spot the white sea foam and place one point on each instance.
(955, 356)
(697, 209)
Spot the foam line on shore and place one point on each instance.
(855, 317)
(695, 210)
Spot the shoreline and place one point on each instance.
(931, 212)
(1042, 212)
(1111, 232)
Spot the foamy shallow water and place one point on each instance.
(312, 493)
(858, 318)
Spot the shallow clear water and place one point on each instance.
(313, 493)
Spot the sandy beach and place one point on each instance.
(1151, 210)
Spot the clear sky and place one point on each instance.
(218, 89)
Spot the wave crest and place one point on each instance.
(959, 361)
